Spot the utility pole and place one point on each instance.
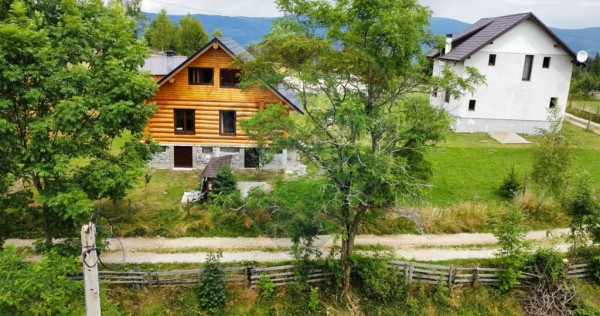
(91, 282)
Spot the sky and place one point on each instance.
(570, 14)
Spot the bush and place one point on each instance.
(266, 286)
(510, 186)
(513, 254)
(379, 284)
(212, 292)
(224, 183)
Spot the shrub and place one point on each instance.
(266, 286)
(212, 291)
(510, 186)
(224, 183)
(377, 282)
(513, 254)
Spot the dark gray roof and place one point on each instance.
(158, 65)
(214, 164)
(485, 31)
(234, 49)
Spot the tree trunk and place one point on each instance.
(47, 228)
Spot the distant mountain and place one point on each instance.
(252, 29)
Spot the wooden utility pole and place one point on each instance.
(91, 281)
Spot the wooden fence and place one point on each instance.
(412, 272)
(415, 272)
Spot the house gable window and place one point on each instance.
(527, 67)
(553, 103)
(472, 105)
(200, 76)
(230, 78)
(546, 63)
(492, 60)
(184, 121)
(227, 122)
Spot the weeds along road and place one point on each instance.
(263, 249)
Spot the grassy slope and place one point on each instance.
(471, 166)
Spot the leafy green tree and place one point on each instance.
(70, 85)
(212, 292)
(514, 253)
(583, 209)
(269, 129)
(216, 33)
(190, 35)
(551, 157)
(160, 34)
(353, 66)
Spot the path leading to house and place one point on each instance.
(581, 122)
(509, 138)
(263, 249)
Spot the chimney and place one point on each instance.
(448, 43)
(170, 55)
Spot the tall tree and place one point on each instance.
(216, 33)
(160, 34)
(69, 85)
(355, 65)
(190, 35)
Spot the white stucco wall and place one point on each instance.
(506, 102)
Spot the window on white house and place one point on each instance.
(434, 92)
(546, 63)
(553, 102)
(447, 97)
(472, 105)
(527, 67)
(492, 60)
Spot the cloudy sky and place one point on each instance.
(557, 13)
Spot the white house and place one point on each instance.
(527, 70)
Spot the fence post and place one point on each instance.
(450, 278)
(406, 273)
(410, 273)
(476, 275)
(249, 276)
(150, 278)
(137, 285)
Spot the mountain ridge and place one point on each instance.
(251, 29)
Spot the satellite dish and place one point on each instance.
(582, 56)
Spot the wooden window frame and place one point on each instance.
(546, 62)
(492, 60)
(201, 76)
(185, 131)
(221, 133)
(527, 70)
(472, 104)
(235, 78)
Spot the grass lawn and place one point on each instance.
(471, 167)
(586, 105)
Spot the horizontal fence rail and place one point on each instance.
(412, 272)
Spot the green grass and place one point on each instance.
(471, 167)
(590, 105)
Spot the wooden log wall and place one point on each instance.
(207, 101)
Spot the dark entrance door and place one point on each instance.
(251, 158)
(183, 157)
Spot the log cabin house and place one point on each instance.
(200, 105)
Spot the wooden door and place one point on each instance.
(251, 158)
(183, 157)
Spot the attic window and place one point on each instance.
(546, 63)
(230, 77)
(527, 67)
(492, 60)
(553, 102)
(200, 76)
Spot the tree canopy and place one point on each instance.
(160, 34)
(190, 35)
(70, 86)
(355, 67)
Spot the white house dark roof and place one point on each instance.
(232, 48)
(157, 65)
(485, 31)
